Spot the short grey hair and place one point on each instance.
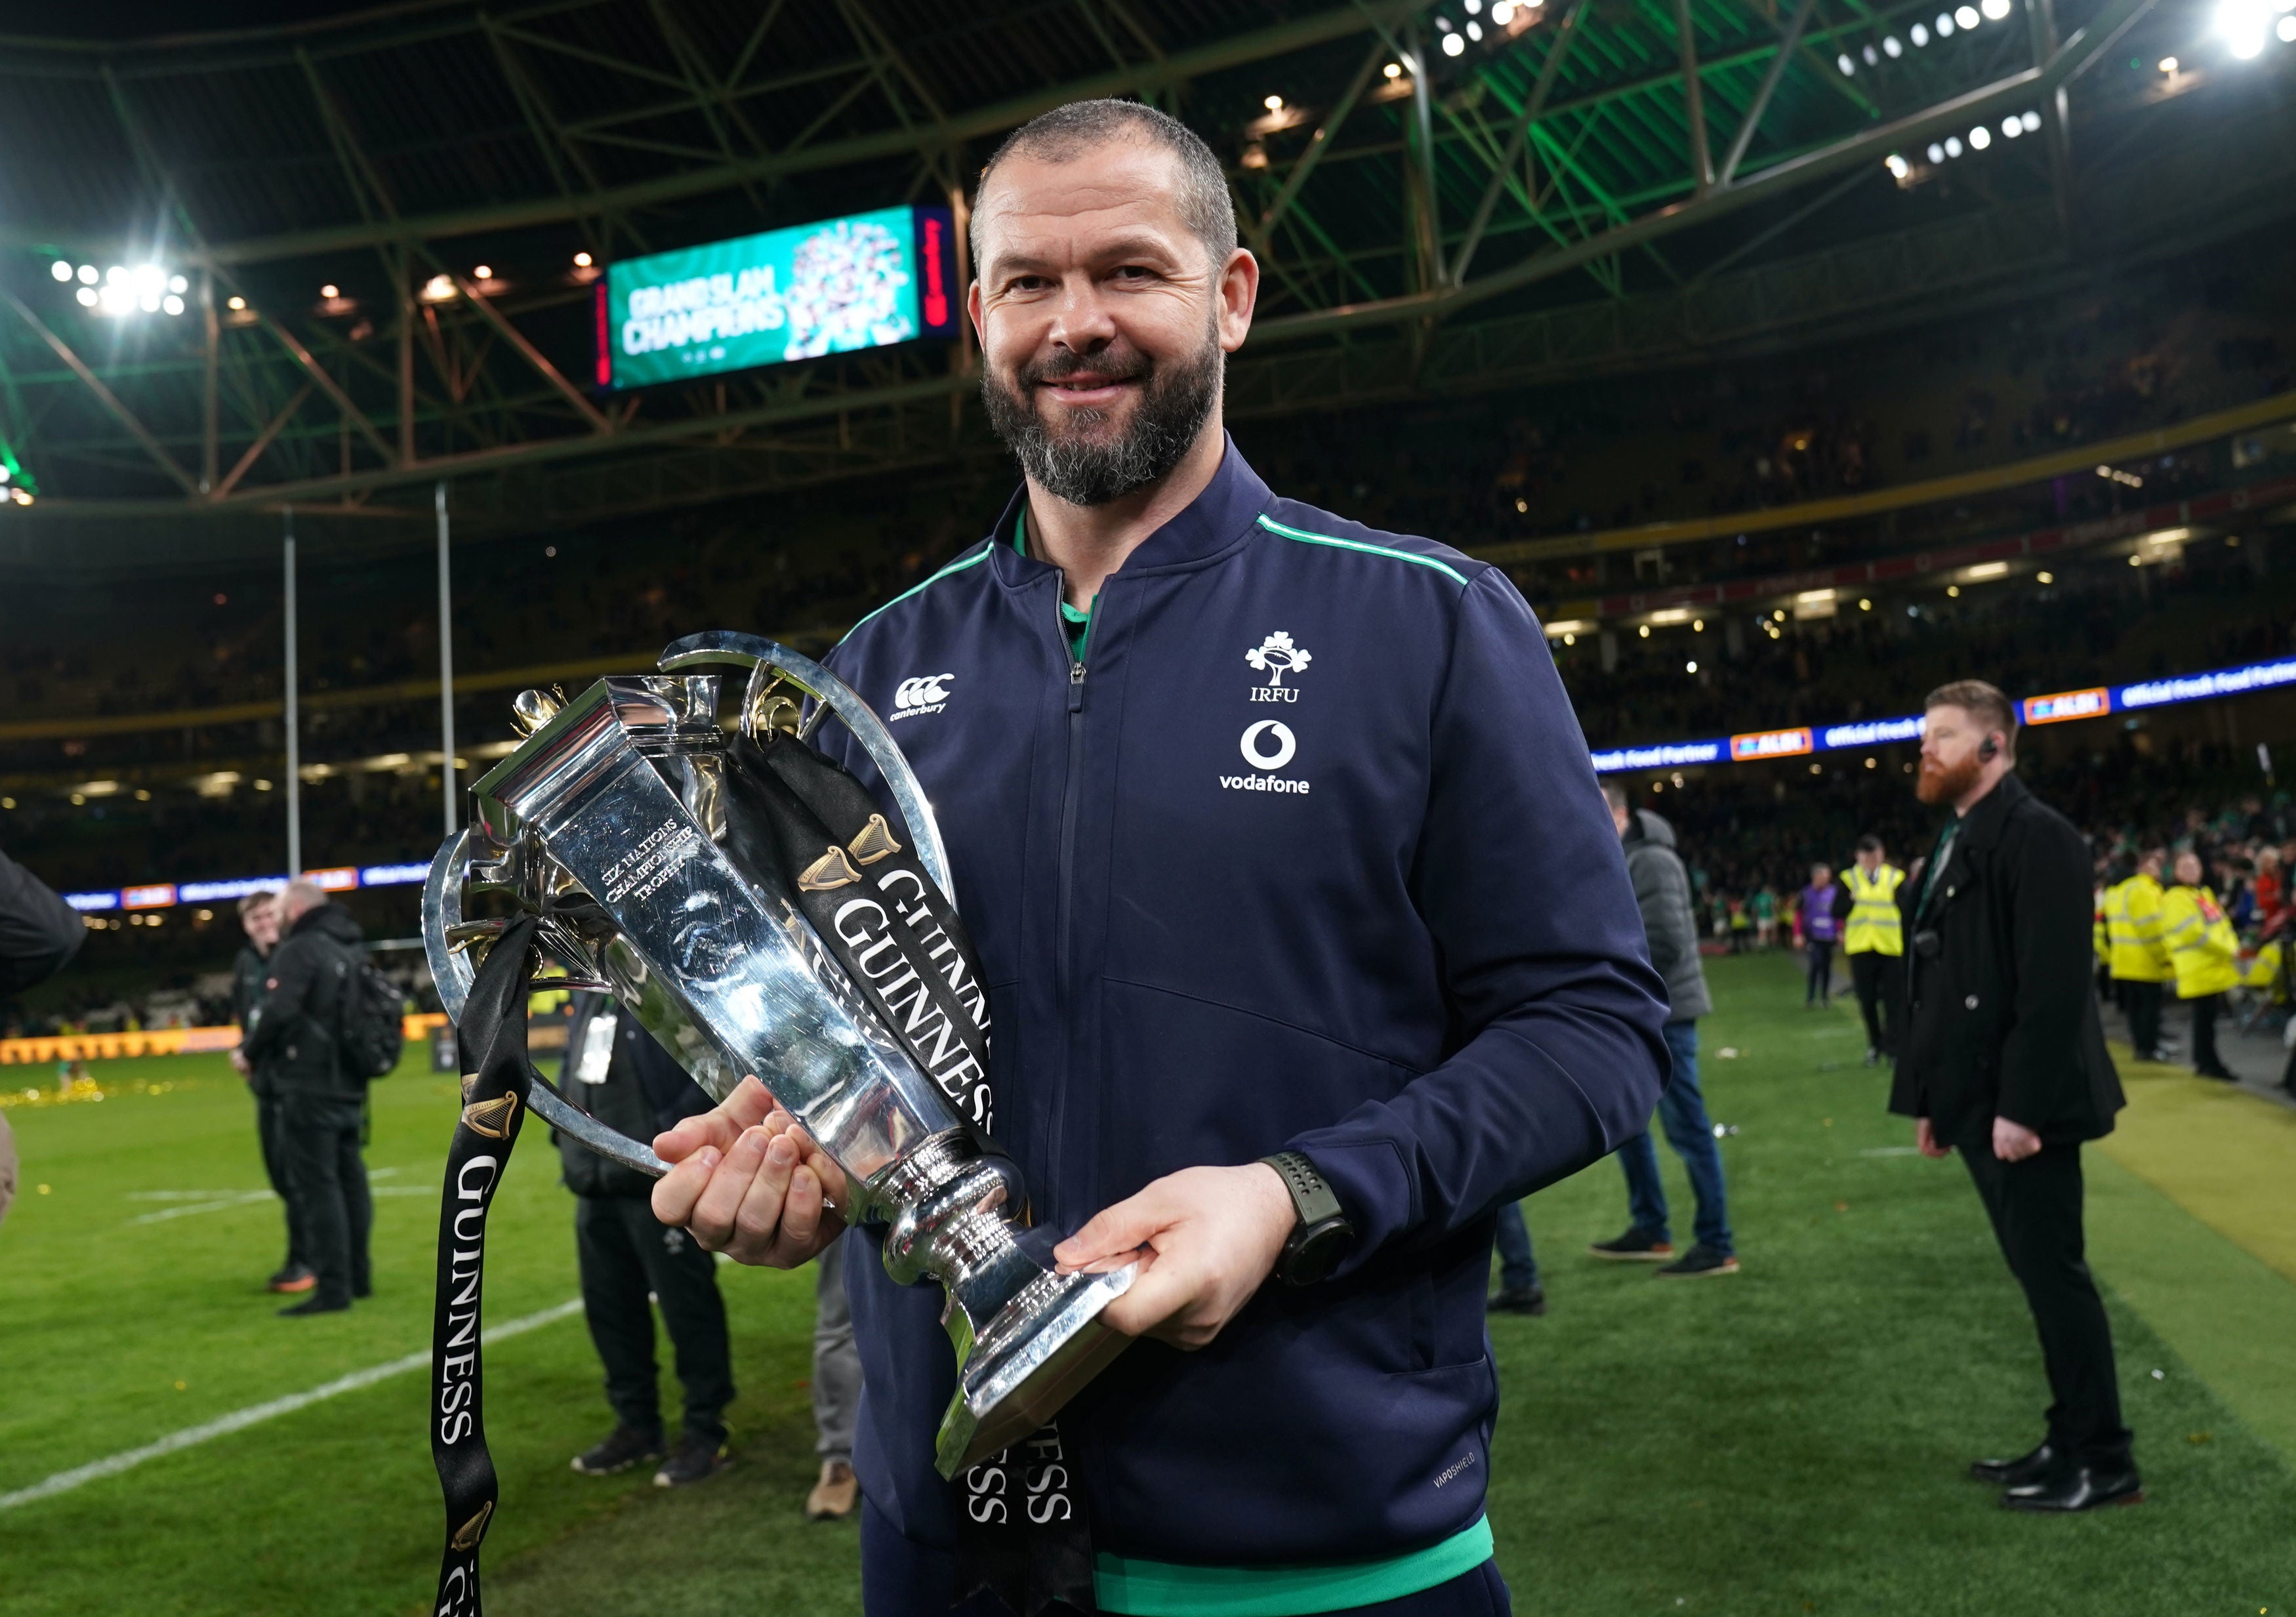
(302, 896)
(1614, 794)
(1066, 133)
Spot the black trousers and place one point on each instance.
(2141, 1001)
(2036, 1209)
(271, 1128)
(625, 1254)
(1821, 972)
(327, 1178)
(1876, 975)
(2206, 1062)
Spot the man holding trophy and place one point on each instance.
(1307, 943)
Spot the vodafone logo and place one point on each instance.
(1266, 745)
(923, 694)
(1282, 745)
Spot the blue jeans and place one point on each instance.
(1518, 1270)
(1682, 1113)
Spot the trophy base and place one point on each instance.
(1037, 1353)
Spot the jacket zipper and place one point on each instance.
(1070, 790)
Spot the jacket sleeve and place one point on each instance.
(295, 969)
(38, 931)
(1662, 896)
(1555, 1014)
(2048, 910)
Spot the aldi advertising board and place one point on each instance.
(863, 282)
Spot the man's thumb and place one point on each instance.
(1111, 1231)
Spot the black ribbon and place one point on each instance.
(491, 1038)
(893, 933)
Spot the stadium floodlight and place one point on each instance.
(1453, 45)
(1898, 167)
(2045, 577)
(438, 288)
(2246, 24)
(1892, 47)
(2031, 120)
(1473, 8)
(582, 260)
(1872, 57)
(87, 276)
(1945, 25)
(1965, 15)
(2285, 28)
(1919, 34)
(1980, 138)
(2169, 66)
(1953, 145)
(1474, 30)
(1501, 13)
(86, 296)
(180, 284)
(1848, 68)
(1994, 10)
(1937, 153)
(1273, 103)
(484, 271)
(331, 291)
(61, 269)
(2013, 127)
(236, 305)
(1690, 667)
(1392, 71)
(172, 304)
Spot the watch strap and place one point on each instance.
(1312, 1198)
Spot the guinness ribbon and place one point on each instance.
(894, 934)
(1021, 1531)
(492, 1041)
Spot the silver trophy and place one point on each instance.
(607, 823)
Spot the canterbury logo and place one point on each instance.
(492, 1118)
(925, 691)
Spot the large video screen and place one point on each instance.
(863, 282)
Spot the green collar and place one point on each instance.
(1075, 625)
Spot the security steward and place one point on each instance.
(617, 1072)
(293, 1035)
(259, 917)
(1308, 939)
(2205, 954)
(1876, 944)
(2005, 1062)
(2138, 959)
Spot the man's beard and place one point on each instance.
(1946, 784)
(1176, 400)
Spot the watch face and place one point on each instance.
(1318, 1253)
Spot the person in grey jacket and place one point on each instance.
(1662, 891)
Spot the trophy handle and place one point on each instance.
(765, 660)
(451, 973)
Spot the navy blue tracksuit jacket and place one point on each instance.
(1309, 855)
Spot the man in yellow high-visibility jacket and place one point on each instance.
(2205, 952)
(2136, 956)
(1875, 943)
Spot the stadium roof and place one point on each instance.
(1449, 194)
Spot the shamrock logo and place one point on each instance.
(1278, 656)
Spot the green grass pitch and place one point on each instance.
(1789, 1440)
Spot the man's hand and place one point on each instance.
(239, 1064)
(1213, 1235)
(1926, 1140)
(749, 1182)
(2013, 1142)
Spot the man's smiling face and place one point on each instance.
(1104, 323)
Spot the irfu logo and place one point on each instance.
(1277, 656)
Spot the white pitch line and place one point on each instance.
(65, 1481)
(245, 1198)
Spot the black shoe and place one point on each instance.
(1635, 1246)
(362, 1290)
(1699, 1262)
(695, 1459)
(315, 1305)
(2017, 1472)
(2218, 1073)
(1530, 1301)
(623, 1447)
(2078, 1487)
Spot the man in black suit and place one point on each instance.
(615, 1071)
(2005, 1062)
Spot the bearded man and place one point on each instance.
(1308, 943)
(2005, 1062)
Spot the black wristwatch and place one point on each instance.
(1321, 1237)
